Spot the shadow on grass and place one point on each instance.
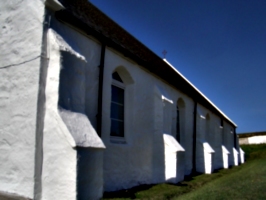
(168, 190)
(127, 193)
(131, 192)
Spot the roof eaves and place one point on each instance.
(83, 15)
(209, 101)
(54, 5)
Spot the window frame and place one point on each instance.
(178, 128)
(118, 139)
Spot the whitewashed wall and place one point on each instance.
(229, 141)
(130, 164)
(210, 131)
(218, 141)
(63, 162)
(91, 50)
(141, 159)
(258, 139)
(186, 130)
(58, 179)
(20, 51)
(204, 150)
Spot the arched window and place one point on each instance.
(180, 121)
(121, 106)
(117, 106)
(208, 134)
(177, 124)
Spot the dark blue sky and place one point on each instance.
(219, 45)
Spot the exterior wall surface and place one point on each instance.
(259, 139)
(89, 70)
(20, 54)
(62, 176)
(130, 164)
(140, 159)
(217, 145)
(229, 142)
(58, 179)
(210, 130)
(226, 155)
(30, 101)
(186, 131)
(204, 151)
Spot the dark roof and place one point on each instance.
(83, 15)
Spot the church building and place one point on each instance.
(86, 108)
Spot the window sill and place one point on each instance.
(117, 140)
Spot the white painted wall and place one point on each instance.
(20, 50)
(236, 155)
(174, 155)
(90, 50)
(209, 130)
(141, 159)
(59, 158)
(130, 164)
(229, 142)
(70, 150)
(226, 155)
(203, 149)
(218, 155)
(260, 139)
(186, 130)
(242, 156)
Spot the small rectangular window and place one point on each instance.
(177, 125)
(221, 123)
(117, 112)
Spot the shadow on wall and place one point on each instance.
(200, 164)
(89, 177)
(168, 155)
(72, 107)
(11, 196)
(72, 87)
(218, 155)
(174, 160)
(204, 152)
(161, 115)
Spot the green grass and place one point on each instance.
(247, 181)
(255, 151)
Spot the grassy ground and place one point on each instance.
(247, 181)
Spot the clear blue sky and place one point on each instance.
(219, 45)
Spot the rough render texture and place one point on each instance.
(59, 158)
(79, 172)
(61, 163)
(217, 137)
(174, 159)
(140, 160)
(20, 54)
(91, 51)
(141, 157)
